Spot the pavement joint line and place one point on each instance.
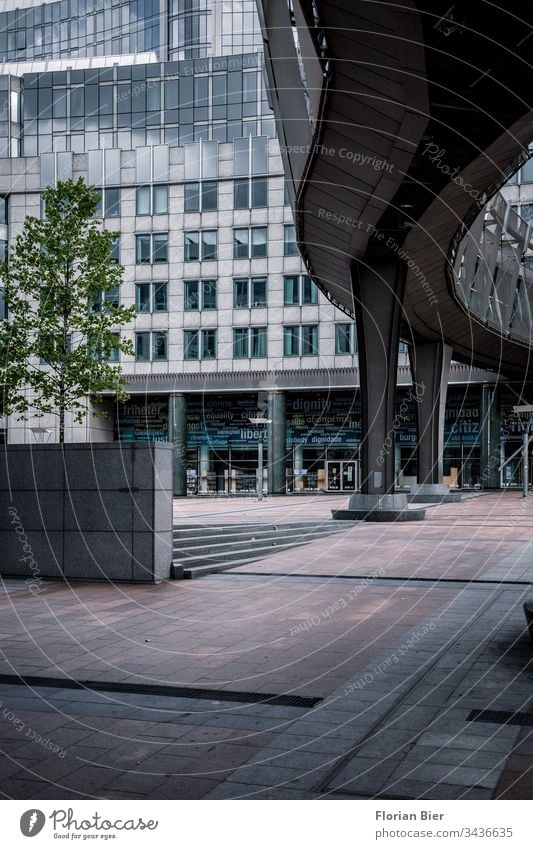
(323, 784)
(449, 582)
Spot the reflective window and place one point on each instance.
(258, 341)
(240, 342)
(200, 295)
(344, 338)
(151, 345)
(191, 350)
(151, 297)
(200, 344)
(151, 200)
(151, 248)
(192, 246)
(300, 341)
(201, 197)
(290, 246)
(249, 242)
(143, 248)
(291, 341)
(111, 203)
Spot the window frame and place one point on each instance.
(287, 242)
(151, 238)
(151, 335)
(250, 245)
(339, 325)
(199, 336)
(200, 245)
(152, 190)
(152, 286)
(246, 335)
(301, 342)
(200, 284)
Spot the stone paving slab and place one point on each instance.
(399, 668)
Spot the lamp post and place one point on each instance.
(260, 421)
(525, 417)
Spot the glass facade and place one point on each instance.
(126, 107)
(79, 28)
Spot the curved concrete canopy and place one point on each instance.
(397, 123)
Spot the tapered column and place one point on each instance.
(378, 293)
(378, 297)
(490, 438)
(178, 435)
(430, 369)
(276, 443)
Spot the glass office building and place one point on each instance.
(162, 106)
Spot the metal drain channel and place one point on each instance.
(501, 717)
(282, 700)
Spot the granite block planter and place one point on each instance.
(86, 511)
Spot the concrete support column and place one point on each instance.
(204, 468)
(430, 369)
(490, 437)
(177, 419)
(276, 443)
(378, 293)
(378, 297)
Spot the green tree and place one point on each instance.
(61, 288)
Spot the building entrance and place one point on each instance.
(342, 476)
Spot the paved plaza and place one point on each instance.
(385, 661)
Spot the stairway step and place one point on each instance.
(217, 543)
(223, 557)
(238, 528)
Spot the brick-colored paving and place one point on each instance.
(399, 667)
(470, 540)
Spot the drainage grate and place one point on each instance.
(284, 700)
(501, 717)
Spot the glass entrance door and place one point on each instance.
(349, 477)
(341, 476)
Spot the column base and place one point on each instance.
(379, 508)
(432, 493)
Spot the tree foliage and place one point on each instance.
(62, 324)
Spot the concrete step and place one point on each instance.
(256, 534)
(216, 563)
(184, 532)
(246, 542)
(206, 549)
